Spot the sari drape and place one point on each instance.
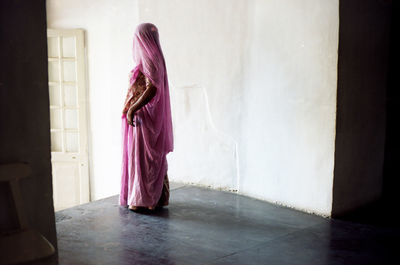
(145, 146)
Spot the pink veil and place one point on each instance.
(145, 146)
(149, 59)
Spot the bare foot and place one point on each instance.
(151, 207)
(132, 207)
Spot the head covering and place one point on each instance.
(149, 59)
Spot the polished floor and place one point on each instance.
(204, 226)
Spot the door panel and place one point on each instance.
(67, 95)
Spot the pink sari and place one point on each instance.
(145, 146)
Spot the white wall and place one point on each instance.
(268, 69)
(253, 92)
(203, 47)
(288, 123)
(109, 27)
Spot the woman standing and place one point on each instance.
(146, 125)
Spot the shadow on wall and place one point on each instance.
(361, 103)
(391, 180)
(25, 122)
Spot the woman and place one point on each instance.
(146, 125)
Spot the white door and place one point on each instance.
(68, 125)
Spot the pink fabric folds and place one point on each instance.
(145, 146)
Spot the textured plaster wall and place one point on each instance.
(254, 95)
(288, 119)
(203, 43)
(253, 92)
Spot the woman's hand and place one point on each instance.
(148, 93)
(129, 116)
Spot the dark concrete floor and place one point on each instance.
(203, 226)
